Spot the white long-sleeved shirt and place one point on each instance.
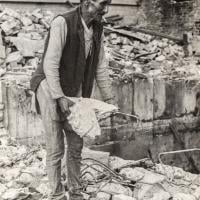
(57, 40)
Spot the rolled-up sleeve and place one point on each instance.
(51, 64)
(102, 74)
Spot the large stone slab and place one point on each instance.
(143, 98)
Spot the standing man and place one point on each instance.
(73, 58)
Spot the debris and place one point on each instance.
(11, 27)
(114, 188)
(122, 197)
(14, 57)
(182, 196)
(126, 33)
(103, 196)
(27, 47)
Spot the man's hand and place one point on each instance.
(64, 104)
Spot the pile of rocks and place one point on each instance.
(23, 176)
(22, 37)
(154, 57)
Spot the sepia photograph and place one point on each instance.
(100, 100)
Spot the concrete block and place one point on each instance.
(190, 96)
(159, 98)
(175, 92)
(126, 98)
(143, 97)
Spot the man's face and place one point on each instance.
(98, 8)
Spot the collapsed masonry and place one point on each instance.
(23, 176)
(152, 80)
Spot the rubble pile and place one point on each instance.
(22, 36)
(139, 180)
(148, 56)
(22, 171)
(23, 176)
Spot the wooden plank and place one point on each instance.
(126, 33)
(114, 2)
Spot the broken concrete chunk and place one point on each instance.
(2, 52)
(122, 197)
(132, 173)
(26, 21)
(3, 188)
(27, 47)
(11, 194)
(2, 71)
(11, 27)
(14, 57)
(114, 188)
(12, 174)
(150, 177)
(103, 196)
(25, 179)
(44, 189)
(12, 13)
(161, 195)
(37, 13)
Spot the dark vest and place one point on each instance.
(74, 68)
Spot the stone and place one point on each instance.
(103, 196)
(12, 13)
(161, 195)
(11, 27)
(151, 177)
(182, 196)
(3, 188)
(196, 194)
(122, 197)
(25, 179)
(37, 13)
(142, 101)
(11, 194)
(2, 71)
(2, 52)
(12, 174)
(159, 100)
(161, 58)
(44, 189)
(14, 57)
(26, 21)
(132, 173)
(27, 47)
(115, 188)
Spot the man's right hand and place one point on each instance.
(65, 104)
